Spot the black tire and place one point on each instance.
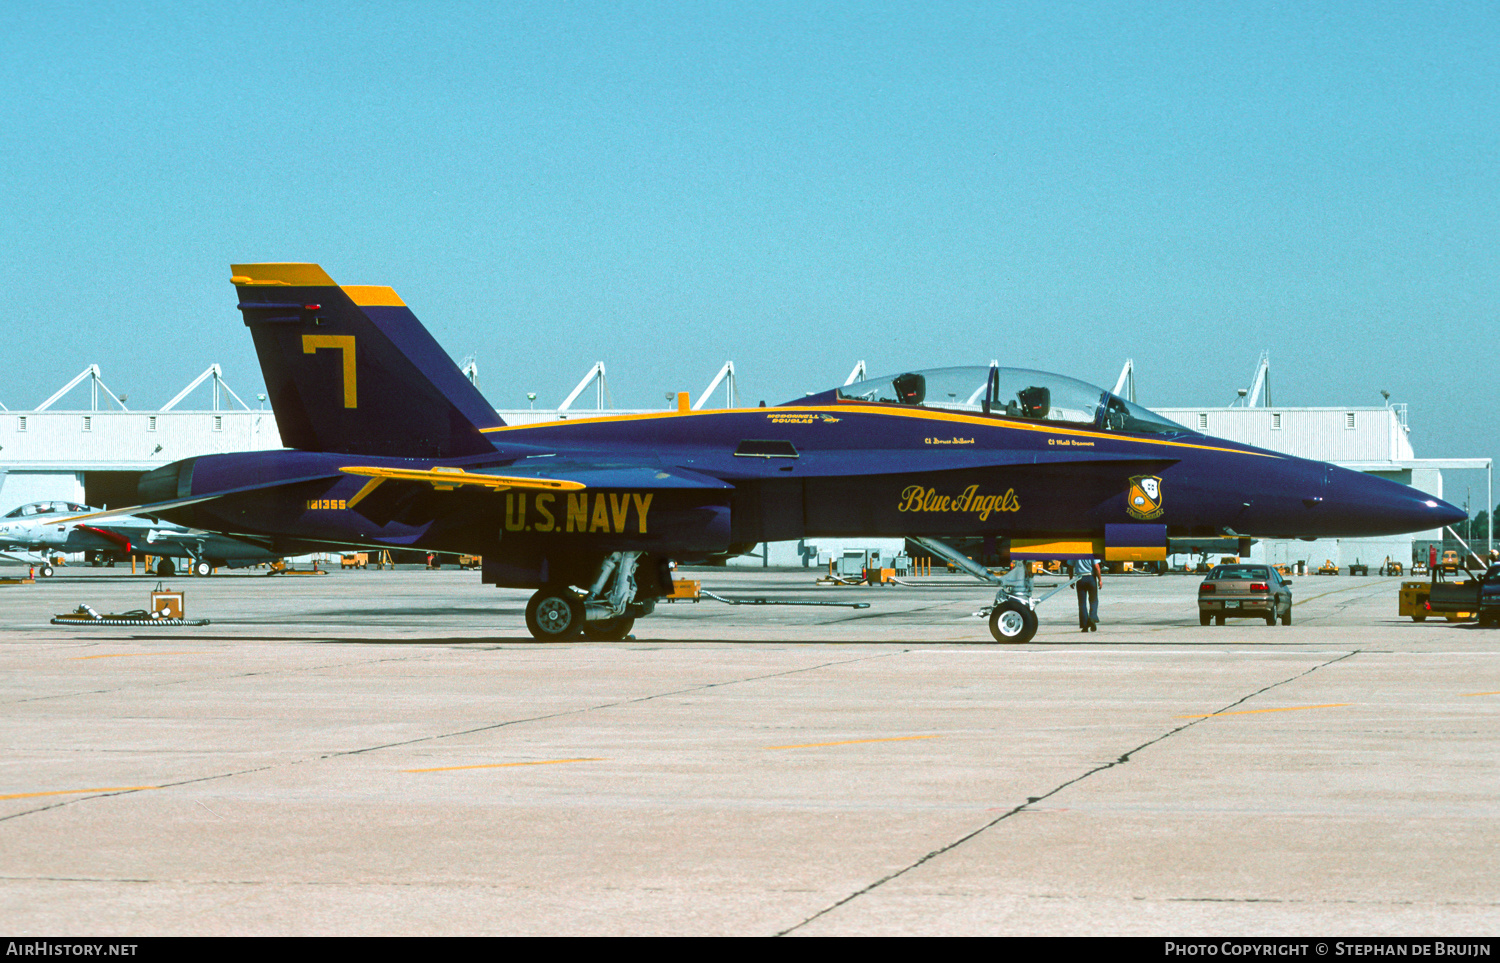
(609, 630)
(165, 568)
(1203, 618)
(554, 613)
(45, 571)
(1013, 622)
(1218, 620)
(1286, 617)
(1271, 617)
(202, 568)
(1419, 611)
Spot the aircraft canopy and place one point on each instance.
(46, 508)
(1011, 393)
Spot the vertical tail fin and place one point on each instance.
(351, 369)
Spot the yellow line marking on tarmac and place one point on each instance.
(1467, 694)
(128, 655)
(1251, 712)
(853, 742)
(505, 765)
(72, 792)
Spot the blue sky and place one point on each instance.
(791, 185)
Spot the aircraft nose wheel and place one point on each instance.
(1012, 622)
(202, 568)
(554, 613)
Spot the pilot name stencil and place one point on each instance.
(915, 498)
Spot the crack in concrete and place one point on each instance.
(1032, 800)
(448, 735)
(213, 678)
(607, 705)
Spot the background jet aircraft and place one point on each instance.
(48, 527)
(390, 446)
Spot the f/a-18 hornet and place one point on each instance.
(390, 446)
(51, 526)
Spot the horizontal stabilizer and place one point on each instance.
(151, 509)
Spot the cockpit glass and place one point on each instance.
(953, 389)
(1122, 415)
(1011, 393)
(46, 508)
(1039, 396)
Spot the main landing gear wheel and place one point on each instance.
(1012, 622)
(165, 568)
(609, 630)
(202, 568)
(554, 613)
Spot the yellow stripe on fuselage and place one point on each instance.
(921, 414)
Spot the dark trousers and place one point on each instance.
(1088, 601)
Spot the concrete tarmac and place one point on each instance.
(389, 753)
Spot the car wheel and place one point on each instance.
(1286, 617)
(1203, 618)
(1013, 622)
(1271, 617)
(1218, 620)
(554, 613)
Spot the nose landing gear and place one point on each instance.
(1013, 615)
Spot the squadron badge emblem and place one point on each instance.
(1144, 499)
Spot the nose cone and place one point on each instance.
(1356, 503)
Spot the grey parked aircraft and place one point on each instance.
(43, 527)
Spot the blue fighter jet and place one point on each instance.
(389, 446)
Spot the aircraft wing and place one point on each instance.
(409, 494)
(152, 508)
(578, 476)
